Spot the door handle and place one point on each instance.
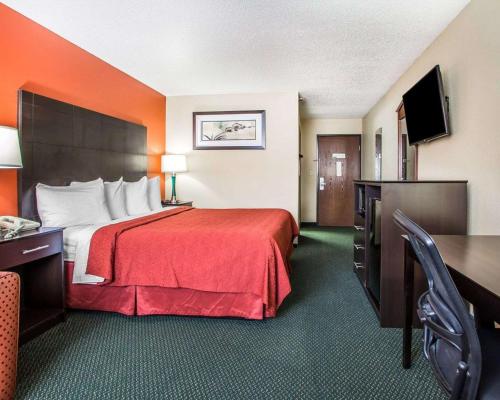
(321, 183)
(358, 265)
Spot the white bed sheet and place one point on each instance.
(76, 240)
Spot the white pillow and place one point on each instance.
(136, 196)
(62, 206)
(154, 195)
(97, 181)
(115, 198)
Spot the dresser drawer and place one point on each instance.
(21, 251)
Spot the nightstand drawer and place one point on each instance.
(21, 251)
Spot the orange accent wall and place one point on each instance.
(38, 60)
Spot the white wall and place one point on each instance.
(310, 128)
(238, 178)
(468, 52)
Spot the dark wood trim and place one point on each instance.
(167, 203)
(61, 142)
(486, 303)
(37, 257)
(20, 133)
(401, 110)
(440, 207)
(478, 296)
(408, 278)
(402, 115)
(372, 301)
(262, 147)
(317, 160)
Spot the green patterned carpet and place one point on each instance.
(324, 344)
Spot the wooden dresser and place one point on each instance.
(440, 207)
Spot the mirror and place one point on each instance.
(407, 155)
(378, 154)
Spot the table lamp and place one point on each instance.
(10, 153)
(173, 163)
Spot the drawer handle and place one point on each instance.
(359, 247)
(35, 249)
(358, 265)
(359, 228)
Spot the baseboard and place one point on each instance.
(306, 224)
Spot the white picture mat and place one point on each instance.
(258, 117)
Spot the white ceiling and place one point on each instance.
(341, 55)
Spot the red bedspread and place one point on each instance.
(226, 251)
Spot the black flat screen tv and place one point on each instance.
(426, 109)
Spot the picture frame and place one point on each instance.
(229, 130)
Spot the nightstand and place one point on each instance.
(37, 257)
(167, 203)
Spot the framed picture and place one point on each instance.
(227, 130)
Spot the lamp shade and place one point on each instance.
(10, 153)
(173, 163)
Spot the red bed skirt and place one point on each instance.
(149, 300)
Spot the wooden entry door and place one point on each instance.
(339, 163)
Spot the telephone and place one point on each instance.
(14, 225)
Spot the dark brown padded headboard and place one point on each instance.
(61, 142)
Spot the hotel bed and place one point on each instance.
(181, 260)
(184, 261)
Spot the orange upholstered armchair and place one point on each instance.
(9, 333)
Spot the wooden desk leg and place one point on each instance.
(483, 320)
(408, 304)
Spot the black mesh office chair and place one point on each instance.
(466, 367)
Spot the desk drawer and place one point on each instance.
(21, 251)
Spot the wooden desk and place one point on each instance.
(474, 265)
